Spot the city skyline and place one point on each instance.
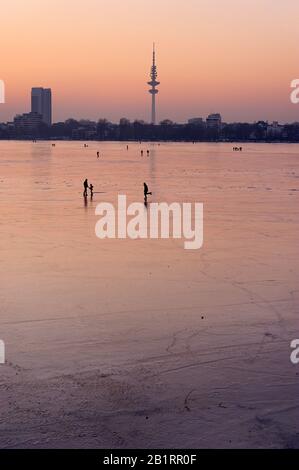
(209, 61)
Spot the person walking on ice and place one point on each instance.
(85, 185)
(146, 192)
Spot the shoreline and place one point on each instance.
(56, 139)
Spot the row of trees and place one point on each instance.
(166, 130)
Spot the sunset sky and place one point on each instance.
(236, 57)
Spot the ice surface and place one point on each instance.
(140, 343)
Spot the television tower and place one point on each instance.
(153, 83)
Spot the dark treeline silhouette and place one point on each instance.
(166, 130)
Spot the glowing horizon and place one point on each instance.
(235, 59)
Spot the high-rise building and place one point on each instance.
(41, 103)
(153, 83)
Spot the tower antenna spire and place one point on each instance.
(154, 83)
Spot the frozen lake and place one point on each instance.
(140, 343)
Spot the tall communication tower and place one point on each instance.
(153, 83)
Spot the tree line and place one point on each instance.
(166, 130)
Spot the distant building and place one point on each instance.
(41, 103)
(82, 133)
(124, 122)
(197, 121)
(274, 129)
(28, 121)
(214, 121)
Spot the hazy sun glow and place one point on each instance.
(233, 57)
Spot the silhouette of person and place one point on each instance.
(141, 152)
(91, 189)
(146, 191)
(147, 152)
(98, 154)
(85, 184)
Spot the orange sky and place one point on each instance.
(236, 57)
